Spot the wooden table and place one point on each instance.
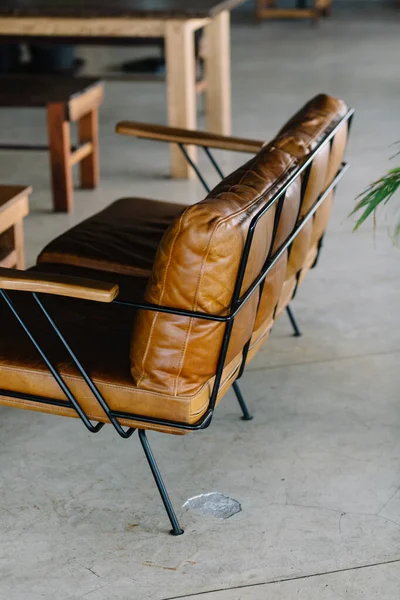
(174, 20)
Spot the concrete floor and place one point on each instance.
(318, 470)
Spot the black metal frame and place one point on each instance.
(289, 311)
(237, 303)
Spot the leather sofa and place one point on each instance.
(144, 315)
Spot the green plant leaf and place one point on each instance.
(377, 193)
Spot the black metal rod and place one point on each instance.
(195, 167)
(299, 170)
(221, 364)
(274, 259)
(246, 414)
(52, 369)
(39, 147)
(123, 433)
(246, 352)
(202, 423)
(320, 244)
(176, 528)
(237, 302)
(33, 398)
(267, 267)
(296, 330)
(213, 161)
(173, 311)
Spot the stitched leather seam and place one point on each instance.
(275, 183)
(153, 325)
(246, 173)
(69, 412)
(262, 336)
(224, 385)
(111, 385)
(203, 265)
(98, 382)
(194, 306)
(327, 121)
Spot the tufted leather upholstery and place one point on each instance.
(183, 259)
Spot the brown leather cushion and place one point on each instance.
(100, 334)
(197, 261)
(195, 268)
(299, 137)
(123, 238)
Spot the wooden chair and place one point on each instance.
(67, 100)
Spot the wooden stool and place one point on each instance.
(14, 206)
(267, 9)
(67, 100)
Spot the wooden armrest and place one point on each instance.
(58, 285)
(163, 133)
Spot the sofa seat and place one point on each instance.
(101, 335)
(123, 238)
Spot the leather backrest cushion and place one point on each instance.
(299, 137)
(304, 131)
(271, 291)
(321, 219)
(301, 134)
(198, 258)
(196, 268)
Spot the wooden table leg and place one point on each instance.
(89, 132)
(60, 150)
(181, 88)
(218, 74)
(19, 244)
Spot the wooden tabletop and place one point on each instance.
(12, 193)
(158, 9)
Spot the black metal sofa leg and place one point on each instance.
(296, 330)
(246, 414)
(176, 528)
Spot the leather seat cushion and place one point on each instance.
(123, 238)
(101, 335)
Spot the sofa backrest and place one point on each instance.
(198, 260)
(299, 137)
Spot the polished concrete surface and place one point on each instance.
(317, 472)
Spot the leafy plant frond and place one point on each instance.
(376, 194)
